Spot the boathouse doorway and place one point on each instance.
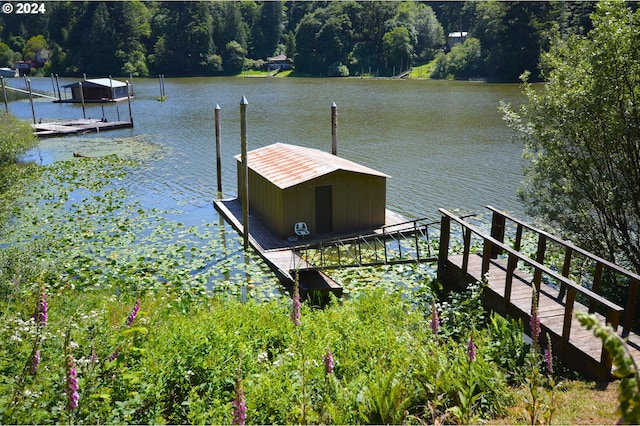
(324, 209)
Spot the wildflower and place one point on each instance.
(471, 349)
(239, 406)
(295, 307)
(36, 361)
(40, 313)
(134, 312)
(114, 355)
(435, 319)
(72, 384)
(535, 324)
(548, 357)
(328, 362)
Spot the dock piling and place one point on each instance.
(129, 102)
(4, 95)
(84, 112)
(245, 171)
(218, 144)
(334, 128)
(33, 111)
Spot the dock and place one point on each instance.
(282, 255)
(74, 127)
(518, 285)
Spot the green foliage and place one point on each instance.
(580, 133)
(464, 61)
(7, 56)
(191, 38)
(625, 368)
(15, 139)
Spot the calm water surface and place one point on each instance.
(444, 143)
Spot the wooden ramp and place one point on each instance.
(512, 277)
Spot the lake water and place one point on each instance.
(444, 143)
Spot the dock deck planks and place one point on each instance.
(72, 127)
(279, 252)
(550, 308)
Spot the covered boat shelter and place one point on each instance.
(97, 90)
(289, 184)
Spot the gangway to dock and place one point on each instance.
(412, 241)
(42, 95)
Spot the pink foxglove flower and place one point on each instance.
(435, 319)
(548, 357)
(40, 315)
(71, 387)
(239, 406)
(113, 356)
(36, 361)
(471, 349)
(534, 323)
(328, 362)
(133, 314)
(295, 306)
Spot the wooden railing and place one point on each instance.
(499, 223)
(407, 242)
(492, 245)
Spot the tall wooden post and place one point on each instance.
(111, 95)
(58, 87)
(218, 144)
(334, 128)
(129, 102)
(4, 95)
(33, 111)
(84, 112)
(245, 171)
(53, 83)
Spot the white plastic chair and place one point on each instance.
(301, 229)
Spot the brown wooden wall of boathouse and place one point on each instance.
(358, 202)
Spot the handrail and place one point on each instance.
(570, 248)
(568, 244)
(393, 232)
(610, 305)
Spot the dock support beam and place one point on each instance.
(33, 111)
(84, 112)
(218, 143)
(334, 127)
(4, 95)
(245, 171)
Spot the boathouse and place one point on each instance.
(97, 90)
(290, 184)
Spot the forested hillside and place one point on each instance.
(323, 38)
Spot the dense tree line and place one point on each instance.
(322, 37)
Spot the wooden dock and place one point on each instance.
(74, 127)
(511, 278)
(281, 255)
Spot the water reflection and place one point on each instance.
(443, 143)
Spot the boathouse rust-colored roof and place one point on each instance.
(288, 165)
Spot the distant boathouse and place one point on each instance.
(290, 184)
(97, 90)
